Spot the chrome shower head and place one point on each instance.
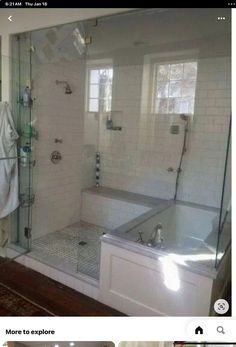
(184, 117)
(67, 87)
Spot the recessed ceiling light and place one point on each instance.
(56, 345)
(72, 344)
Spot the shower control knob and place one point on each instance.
(58, 140)
(56, 157)
(170, 169)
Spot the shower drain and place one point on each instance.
(82, 243)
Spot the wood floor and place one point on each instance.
(53, 296)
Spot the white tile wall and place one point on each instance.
(57, 187)
(107, 212)
(202, 177)
(136, 159)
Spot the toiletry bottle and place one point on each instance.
(25, 154)
(26, 100)
(27, 131)
(109, 123)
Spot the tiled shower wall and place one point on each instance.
(137, 158)
(109, 212)
(204, 165)
(57, 187)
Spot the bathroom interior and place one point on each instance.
(124, 157)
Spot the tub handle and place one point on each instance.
(140, 239)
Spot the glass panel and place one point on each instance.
(94, 90)
(105, 76)
(188, 88)
(162, 89)
(163, 72)
(93, 105)
(175, 89)
(224, 237)
(170, 83)
(142, 145)
(174, 105)
(105, 91)
(22, 103)
(149, 99)
(176, 71)
(59, 116)
(94, 76)
(105, 105)
(190, 71)
(161, 105)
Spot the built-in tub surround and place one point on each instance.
(141, 285)
(182, 267)
(189, 235)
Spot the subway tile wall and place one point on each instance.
(57, 187)
(136, 159)
(109, 213)
(202, 177)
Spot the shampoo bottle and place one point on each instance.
(25, 154)
(26, 97)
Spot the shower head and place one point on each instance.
(184, 117)
(32, 48)
(67, 87)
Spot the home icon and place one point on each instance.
(199, 331)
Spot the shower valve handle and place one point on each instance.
(58, 140)
(170, 169)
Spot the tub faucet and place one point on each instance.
(156, 236)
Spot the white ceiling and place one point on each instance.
(133, 30)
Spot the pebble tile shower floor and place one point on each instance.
(75, 248)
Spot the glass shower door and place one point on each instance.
(224, 231)
(21, 221)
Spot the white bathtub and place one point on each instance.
(178, 278)
(184, 228)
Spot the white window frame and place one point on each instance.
(96, 65)
(149, 64)
(155, 81)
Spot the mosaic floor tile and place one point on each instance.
(75, 248)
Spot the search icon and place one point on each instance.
(220, 330)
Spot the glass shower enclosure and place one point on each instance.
(124, 101)
(42, 157)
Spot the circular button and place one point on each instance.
(221, 306)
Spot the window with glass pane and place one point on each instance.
(100, 90)
(175, 87)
